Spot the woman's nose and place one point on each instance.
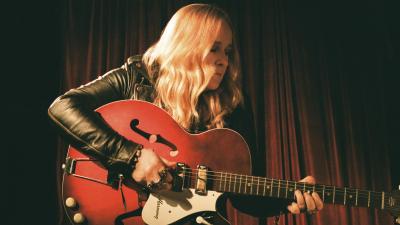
(222, 60)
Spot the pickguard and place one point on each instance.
(167, 207)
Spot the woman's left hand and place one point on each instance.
(306, 202)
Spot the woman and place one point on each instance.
(192, 73)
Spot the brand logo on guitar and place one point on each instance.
(159, 203)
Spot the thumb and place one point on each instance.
(308, 179)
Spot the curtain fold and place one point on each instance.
(316, 74)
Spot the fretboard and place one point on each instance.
(260, 186)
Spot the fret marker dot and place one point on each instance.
(291, 189)
(248, 184)
(267, 186)
(328, 194)
(351, 196)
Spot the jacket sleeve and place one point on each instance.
(241, 120)
(74, 113)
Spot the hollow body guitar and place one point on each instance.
(215, 162)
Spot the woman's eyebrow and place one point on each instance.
(220, 43)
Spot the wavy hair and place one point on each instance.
(174, 62)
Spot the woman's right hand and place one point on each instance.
(152, 170)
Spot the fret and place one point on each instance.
(234, 184)
(364, 198)
(313, 189)
(258, 184)
(245, 184)
(251, 186)
(265, 184)
(294, 190)
(230, 181)
(350, 196)
(323, 193)
(279, 187)
(240, 182)
(287, 188)
(226, 174)
(272, 187)
(356, 197)
(343, 196)
(369, 198)
(220, 182)
(334, 193)
(376, 200)
(383, 200)
(304, 187)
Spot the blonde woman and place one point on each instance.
(192, 73)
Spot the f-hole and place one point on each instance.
(158, 138)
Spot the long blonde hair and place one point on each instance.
(174, 63)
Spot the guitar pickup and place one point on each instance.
(179, 177)
(201, 180)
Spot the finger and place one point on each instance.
(294, 208)
(168, 163)
(164, 182)
(153, 177)
(308, 179)
(154, 181)
(153, 186)
(300, 200)
(169, 178)
(310, 204)
(138, 176)
(318, 201)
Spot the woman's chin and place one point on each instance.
(212, 87)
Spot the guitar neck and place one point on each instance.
(260, 186)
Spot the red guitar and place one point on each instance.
(93, 196)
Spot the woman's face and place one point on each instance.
(216, 61)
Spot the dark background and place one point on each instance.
(34, 43)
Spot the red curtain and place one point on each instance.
(316, 75)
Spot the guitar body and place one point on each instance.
(139, 121)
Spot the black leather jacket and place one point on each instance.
(73, 112)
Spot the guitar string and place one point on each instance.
(275, 184)
(374, 198)
(316, 189)
(376, 203)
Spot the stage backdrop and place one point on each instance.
(320, 79)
